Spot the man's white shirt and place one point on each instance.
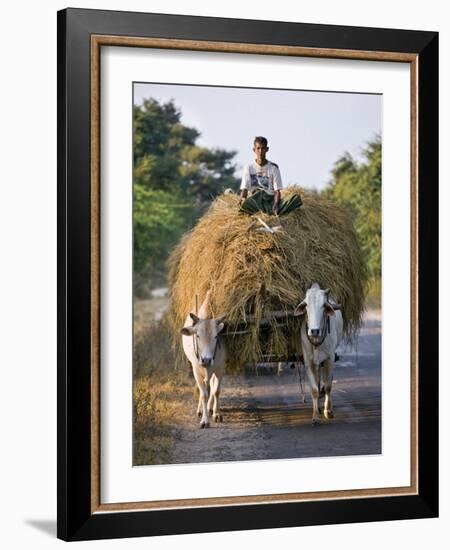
(266, 177)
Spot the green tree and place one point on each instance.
(167, 157)
(174, 181)
(358, 187)
(158, 222)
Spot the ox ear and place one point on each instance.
(220, 323)
(326, 292)
(329, 308)
(194, 318)
(300, 309)
(188, 331)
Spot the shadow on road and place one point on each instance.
(264, 417)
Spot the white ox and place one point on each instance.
(207, 356)
(321, 333)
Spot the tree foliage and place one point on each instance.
(174, 181)
(159, 218)
(358, 187)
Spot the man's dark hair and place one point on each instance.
(261, 140)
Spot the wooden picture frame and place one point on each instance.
(81, 35)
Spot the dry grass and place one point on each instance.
(157, 405)
(252, 273)
(146, 311)
(159, 390)
(154, 354)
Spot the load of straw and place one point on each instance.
(253, 272)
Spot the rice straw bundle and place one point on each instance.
(252, 272)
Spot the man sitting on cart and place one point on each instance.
(262, 179)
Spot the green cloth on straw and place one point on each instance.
(261, 201)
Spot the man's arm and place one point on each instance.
(276, 200)
(245, 184)
(277, 185)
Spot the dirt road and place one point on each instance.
(264, 418)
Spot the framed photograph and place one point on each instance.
(247, 285)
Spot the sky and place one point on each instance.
(307, 130)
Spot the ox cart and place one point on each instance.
(274, 320)
(258, 276)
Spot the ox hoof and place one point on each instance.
(218, 418)
(315, 422)
(204, 425)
